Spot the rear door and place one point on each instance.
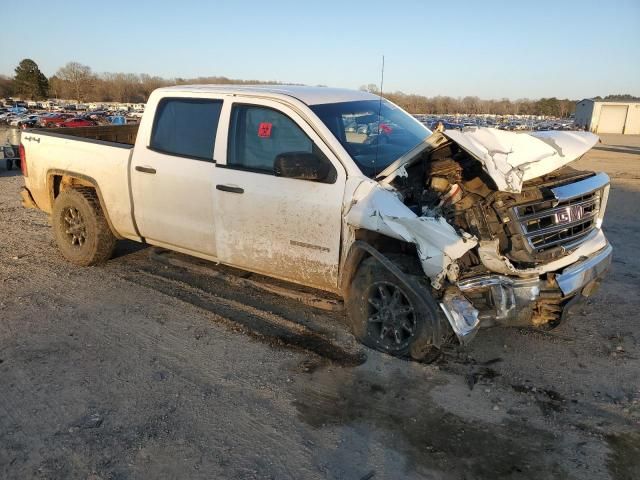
(172, 177)
(283, 227)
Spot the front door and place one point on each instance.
(172, 179)
(283, 227)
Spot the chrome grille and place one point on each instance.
(567, 220)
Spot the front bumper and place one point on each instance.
(538, 301)
(574, 277)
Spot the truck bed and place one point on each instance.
(98, 155)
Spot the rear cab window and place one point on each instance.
(186, 127)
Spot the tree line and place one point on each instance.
(75, 81)
(474, 105)
(78, 82)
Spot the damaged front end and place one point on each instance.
(506, 233)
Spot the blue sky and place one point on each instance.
(491, 49)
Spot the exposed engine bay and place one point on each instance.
(505, 230)
(448, 182)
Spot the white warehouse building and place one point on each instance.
(608, 117)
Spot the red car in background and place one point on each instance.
(78, 122)
(54, 120)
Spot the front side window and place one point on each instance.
(257, 135)
(186, 127)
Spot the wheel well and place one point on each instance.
(382, 243)
(60, 181)
(385, 244)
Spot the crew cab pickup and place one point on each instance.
(427, 236)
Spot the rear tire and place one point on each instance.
(387, 316)
(80, 227)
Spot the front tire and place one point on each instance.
(80, 227)
(386, 315)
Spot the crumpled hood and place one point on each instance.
(511, 158)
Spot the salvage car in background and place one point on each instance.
(77, 122)
(427, 236)
(49, 120)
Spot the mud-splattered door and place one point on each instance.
(284, 227)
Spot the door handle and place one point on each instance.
(142, 169)
(229, 188)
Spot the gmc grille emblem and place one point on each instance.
(570, 214)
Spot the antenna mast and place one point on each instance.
(379, 117)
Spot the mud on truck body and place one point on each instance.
(428, 236)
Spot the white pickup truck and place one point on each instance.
(427, 235)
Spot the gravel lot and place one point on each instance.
(140, 369)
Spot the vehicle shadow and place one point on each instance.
(626, 147)
(125, 248)
(10, 173)
(613, 148)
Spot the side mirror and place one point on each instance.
(303, 166)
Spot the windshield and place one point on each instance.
(374, 134)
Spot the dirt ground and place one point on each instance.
(144, 369)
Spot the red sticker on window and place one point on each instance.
(264, 130)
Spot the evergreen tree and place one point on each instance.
(29, 81)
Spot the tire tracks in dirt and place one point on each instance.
(259, 324)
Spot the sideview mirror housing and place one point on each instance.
(303, 166)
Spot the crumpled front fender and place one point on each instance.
(438, 243)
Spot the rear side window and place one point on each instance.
(186, 127)
(258, 134)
